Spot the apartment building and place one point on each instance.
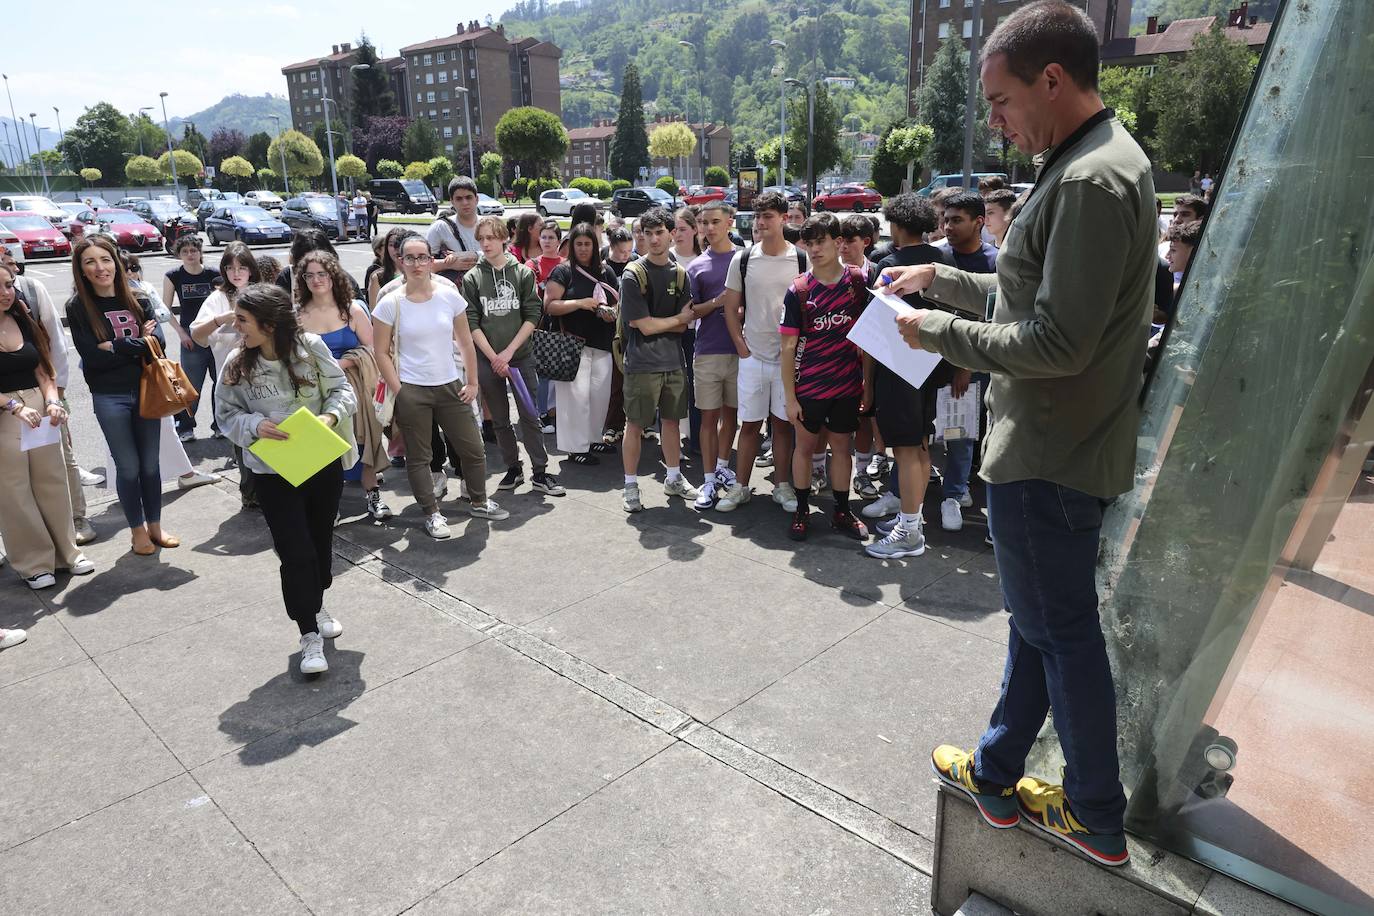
(310, 82)
(589, 151)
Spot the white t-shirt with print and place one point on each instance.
(768, 279)
(424, 342)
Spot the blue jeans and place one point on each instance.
(1046, 538)
(133, 444)
(544, 400)
(197, 362)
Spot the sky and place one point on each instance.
(126, 54)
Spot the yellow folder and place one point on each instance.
(311, 446)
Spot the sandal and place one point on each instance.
(583, 458)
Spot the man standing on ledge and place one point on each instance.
(1073, 296)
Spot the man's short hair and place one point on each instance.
(1192, 202)
(655, 218)
(720, 205)
(493, 224)
(771, 200)
(1004, 198)
(820, 225)
(1043, 33)
(942, 197)
(968, 203)
(461, 183)
(991, 183)
(1189, 233)
(856, 226)
(190, 240)
(912, 212)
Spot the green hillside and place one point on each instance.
(862, 39)
(246, 113)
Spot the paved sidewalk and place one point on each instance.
(571, 711)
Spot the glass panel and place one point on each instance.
(1237, 594)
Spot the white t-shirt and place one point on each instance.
(768, 279)
(424, 342)
(441, 238)
(225, 339)
(360, 205)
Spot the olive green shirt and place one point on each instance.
(1066, 340)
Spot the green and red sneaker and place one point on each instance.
(997, 804)
(1046, 807)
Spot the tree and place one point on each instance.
(421, 141)
(743, 156)
(673, 140)
(193, 142)
(490, 165)
(416, 171)
(441, 170)
(91, 176)
(237, 168)
(372, 95)
(908, 144)
(266, 177)
(188, 166)
(666, 183)
(303, 157)
(1127, 91)
(887, 171)
(768, 155)
(717, 177)
(143, 170)
(1199, 100)
(99, 138)
(255, 150)
(940, 104)
(826, 149)
(349, 166)
(630, 145)
(144, 136)
(533, 138)
(389, 168)
(225, 142)
(381, 138)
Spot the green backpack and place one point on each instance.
(642, 277)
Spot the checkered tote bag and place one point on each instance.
(557, 353)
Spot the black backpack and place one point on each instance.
(744, 270)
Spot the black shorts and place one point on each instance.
(905, 415)
(839, 415)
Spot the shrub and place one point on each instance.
(667, 183)
(540, 185)
(717, 177)
(521, 186)
(585, 185)
(390, 168)
(618, 184)
(600, 188)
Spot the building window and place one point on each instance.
(472, 72)
(968, 28)
(429, 79)
(429, 60)
(577, 160)
(439, 58)
(443, 76)
(943, 31)
(317, 110)
(415, 61)
(314, 76)
(447, 113)
(443, 95)
(944, 4)
(448, 147)
(448, 133)
(432, 114)
(429, 97)
(419, 97)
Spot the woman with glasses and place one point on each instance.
(323, 308)
(426, 318)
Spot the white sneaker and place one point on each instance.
(9, 638)
(89, 478)
(329, 627)
(784, 495)
(883, 506)
(82, 567)
(379, 510)
(312, 654)
(966, 501)
(678, 486)
(440, 484)
(707, 497)
(85, 532)
(630, 502)
(488, 510)
(733, 496)
(899, 543)
(41, 580)
(820, 480)
(951, 516)
(878, 465)
(195, 479)
(436, 526)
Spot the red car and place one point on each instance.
(705, 194)
(131, 231)
(849, 197)
(38, 236)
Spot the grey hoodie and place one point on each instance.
(267, 394)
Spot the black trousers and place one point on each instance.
(301, 520)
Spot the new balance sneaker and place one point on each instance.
(488, 510)
(547, 483)
(801, 525)
(845, 523)
(864, 486)
(898, 542)
(312, 654)
(733, 496)
(329, 628)
(820, 480)
(784, 495)
(375, 507)
(678, 486)
(85, 531)
(11, 638)
(883, 506)
(436, 526)
(514, 477)
(706, 498)
(951, 515)
(630, 501)
(1046, 807)
(997, 804)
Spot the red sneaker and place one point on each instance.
(847, 524)
(801, 524)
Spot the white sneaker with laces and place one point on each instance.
(440, 484)
(488, 510)
(329, 627)
(379, 510)
(707, 497)
(784, 495)
(85, 532)
(733, 496)
(899, 543)
(41, 580)
(883, 506)
(89, 478)
(878, 465)
(82, 567)
(312, 654)
(436, 526)
(951, 516)
(195, 479)
(678, 486)
(9, 638)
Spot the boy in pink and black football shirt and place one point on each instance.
(822, 372)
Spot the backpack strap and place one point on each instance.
(743, 271)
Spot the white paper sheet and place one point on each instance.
(32, 437)
(876, 334)
(957, 418)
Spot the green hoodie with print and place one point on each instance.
(500, 301)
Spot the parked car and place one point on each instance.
(36, 205)
(95, 201)
(634, 201)
(159, 211)
(560, 202)
(268, 200)
(940, 182)
(402, 195)
(793, 195)
(11, 241)
(204, 209)
(244, 223)
(854, 197)
(79, 218)
(489, 206)
(196, 196)
(702, 195)
(317, 212)
(37, 235)
(126, 203)
(129, 230)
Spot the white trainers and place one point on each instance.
(85, 532)
(312, 654)
(784, 495)
(733, 496)
(195, 479)
(966, 500)
(707, 497)
(329, 627)
(898, 543)
(436, 526)
(488, 510)
(41, 580)
(440, 484)
(678, 486)
(630, 502)
(879, 465)
(883, 506)
(89, 478)
(10, 638)
(951, 515)
(82, 567)
(379, 510)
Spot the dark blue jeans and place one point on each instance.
(199, 363)
(133, 444)
(1046, 537)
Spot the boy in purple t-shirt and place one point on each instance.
(822, 371)
(715, 364)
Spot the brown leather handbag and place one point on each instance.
(163, 389)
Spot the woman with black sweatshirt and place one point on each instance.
(110, 328)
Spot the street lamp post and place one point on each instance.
(701, 107)
(329, 136)
(281, 148)
(171, 155)
(14, 117)
(38, 145)
(14, 151)
(467, 124)
(782, 115)
(138, 126)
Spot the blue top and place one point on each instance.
(341, 341)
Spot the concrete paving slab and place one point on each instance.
(165, 850)
(863, 716)
(244, 665)
(49, 645)
(705, 636)
(437, 771)
(675, 515)
(69, 745)
(969, 598)
(684, 834)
